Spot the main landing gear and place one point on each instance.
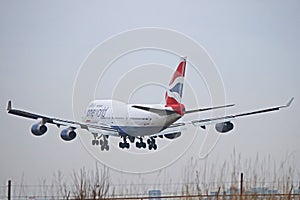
(151, 143)
(124, 144)
(102, 142)
(140, 144)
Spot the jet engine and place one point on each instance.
(172, 136)
(68, 134)
(39, 129)
(224, 127)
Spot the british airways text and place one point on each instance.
(98, 112)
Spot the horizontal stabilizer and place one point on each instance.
(155, 110)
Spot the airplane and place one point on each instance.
(104, 118)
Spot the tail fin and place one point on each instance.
(174, 93)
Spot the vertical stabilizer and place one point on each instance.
(175, 90)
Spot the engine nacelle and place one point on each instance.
(172, 136)
(39, 129)
(224, 127)
(68, 134)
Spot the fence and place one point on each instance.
(26, 193)
(189, 197)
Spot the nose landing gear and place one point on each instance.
(102, 142)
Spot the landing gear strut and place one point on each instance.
(131, 139)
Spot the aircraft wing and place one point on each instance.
(207, 109)
(203, 122)
(177, 126)
(56, 121)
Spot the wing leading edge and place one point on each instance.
(208, 121)
(56, 121)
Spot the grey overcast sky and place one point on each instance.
(255, 45)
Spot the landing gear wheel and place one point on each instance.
(138, 145)
(102, 147)
(102, 142)
(151, 143)
(105, 143)
(124, 144)
(141, 144)
(95, 140)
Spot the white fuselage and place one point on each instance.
(127, 119)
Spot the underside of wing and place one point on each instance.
(60, 122)
(26, 114)
(172, 132)
(223, 124)
(207, 109)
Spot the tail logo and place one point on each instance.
(174, 93)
